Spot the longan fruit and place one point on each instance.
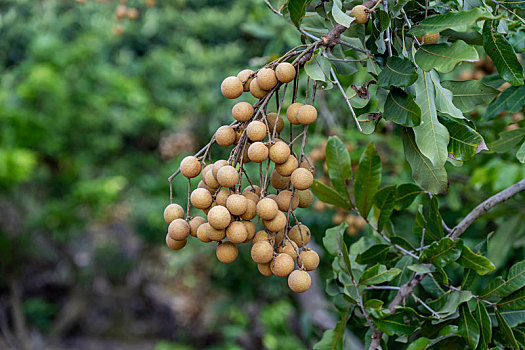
(219, 217)
(279, 236)
(190, 167)
(245, 156)
(237, 204)
(132, 13)
(244, 76)
(256, 130)
(207, 210)
(279, 152)
(232, 87)
(121, 12)
(287, 168)
(310, 259)
(266, 78)
(252, 196)
(300, 234)
(201, 198)
(267, 208)
(211, 181)
(284, 198)
(217, 165)
(118, 30)
(238, 134)
(252, 188)
(277, 223)
(202, 234)
(262, 252)
(291, 112)
(278, 181)
(430, 38)
(173, 211)
(306, 165)
(174, 244)
(306, 115)
(150, 3)
(250, 228)
(195, 223)
(227, 176)
(242, 111)
(282, 265)
(204, 171)
(256, 90)
(214, 234)
(251, 210)
(272, 119)
(306, 198)
(179, 229)
(302, 179)
(265, 269)
(222, 196)
(227, 252)
(285, 72)
(360, 13)
(225, 136)
(258, 152)
(299, 281)
(289, 247)
(262, 236)
(237, 232)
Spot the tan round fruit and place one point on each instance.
(289, 247)
(121, 12)
(306, 198)
(287, 168)
(207, 210)
(262, 236)
(430, 38)
(219, 217)
(250, 228)
(299, 281)
(245, 157)
(227, 252)
(282, 265)
(251, 210)
(244, 76)
(285, 72)
(201, 198)
(225, 136)
(222, 196)
(132, 13)
(272, 120)
(279, 152)
(310, 259)
(302, 179)
(291, 112)
(202, 235)
(179, 229)
(265, 269)
(256, 131)
(237, 204)
(242, 111)
(195, 223)
(174, 244)
(277, 223)
(266, 78)
(205, 170)
(231, 87)
(306, 165)
(256, 90)
(173, 211)
(267, 208)
(284, 198)
(211, 181)
(217, 165)
(190, 167)
(203, 184)
(279, 182)
(227, 176)
(214, 234)
(258, 152)
(237, 232)
(306, 115)
(279, 236)
(360, 13)
(252, 188)
(300, 234)
(262, 252)
(252, 196)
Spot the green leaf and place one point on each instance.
(444, 103)
(506, 330)
(454, 300)
(464, 140)
(514, 3)
(401, 108)
(444, 57)
(502, 53)
(512, 317)
(515, 301)
(329, 341)
(329, 195)
(510, 101)
(378, 274)
(425, 174)
(339, 164)
(521, 153)
(468, 327)
(419, 344)
(384, 200)
(405, 195)
(400, 323)
(297, 9)
(485, 325)
(507, 140)
(419, 268)
(340, 16)
(434, 219)
(442, 253)
(467, 95)
(367, 179)
(478, 263)
(398, 71)
(500, 288)
(333, 239)
(375, 254)
(318, 68)
(431, 136)
(459, 21)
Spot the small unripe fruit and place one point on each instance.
(277, 223)
(282, 265)
(190, 167)
(227, 252)
(279, 152)
(227, 176)
(306, 115)
(256, 90)
(289, 247)
(244, 76)
(291, 112)
(173, 211)
(262, 252)
(430, 38)
(265, 269)
(242, 111)
(225, 136)
(256, 130)
(222, 196)
(360, 13)
(300, 234)
(310, 259)
(237, 232)
(252, 196)
(266, 78)
(202, 235)
(217, 165)
(201, 198)
(287, 168)
(278, 181)
(299, 281)
(214, 234)
(284, 198)
(219, 217)
(258, 152)
(250, 210)
(262, 236)
(272, 120)
(179, 229)
(195, 223)
(174, 244)
(211, 181)
(302, 179)
(267, 208)
(253, 188)
(237, 204)
(306, 198)
(231, 87)
(250, 228)
(285, 72)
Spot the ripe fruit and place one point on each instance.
(300, 234)
(227, 252)
(287, 168)
(244, 76)
(266, 78)
(284, 198)
(306, 198)
(262, 236)
(252, 188)
(262, 252)
(291, 112)
(202, 235)
(219, 217)
(278, 181)
(302, 179)
(360, 13)
(277, 223)
(282, 265)
(175, 245)
(222, 196)
(242, 111)
(121, 12)
(299, 281)
(227, 176)
(256, 90)
(214, 234)
(195, 223)
(179, 229)
(306, 115)
(250, 228)
(207, 168)
(279, 152)
(265, 269)
(211, 181)
(267, 208)
(250, 210)
(258, 152)
(190, 167)
(279, 237)
(285, 72)
(310, 259)
(225, 136)
(271, 119)
(289, 247)
(256, 130)
(231, 87)
(201, 198)
(237, 204)
(430, 38)
(173, 211)
(132, 13)
(237, 232)
(217, 165)
(252, 196)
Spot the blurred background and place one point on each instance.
(99, 102)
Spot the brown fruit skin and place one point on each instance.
(227, 176)
(179, 229)
(202, 235)
(205, 170)
(360, 13)
(132, 13)
(201, 198)
(237, 232)
(306, 198)
(279, 237)
(250, 210)
(211, 181)
(302, 179)
(262, 236)
(285, 72)
(175, 245)
(307, 115)
(173, 211)
(203, 184)
(219, 217)
(302, 237)
(306, 165)
(214, 234)
(266, 78)
(195, 223)
(252, 188)
(256, 90)
(225, 136)
(265, 269)
(277, 223)
(267, 208)
(299, 281)
(282, 265)
(217, 165)
(289, 248)
(262, 252)
(222, 196)
(256, 131)
(244, 76)
(242, 111)
(250, 228)
(231, 87)
(283, 200)
(190, 167)
(252, 196)
(279, 182)
(287, 168)
(121, 12)
(310, 259)
(271, 119)
(237, 204)
(279, 152)
(227, 252)
(430, 38)
(291, 112)
(258, 152)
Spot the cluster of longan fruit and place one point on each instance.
(254, 214)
